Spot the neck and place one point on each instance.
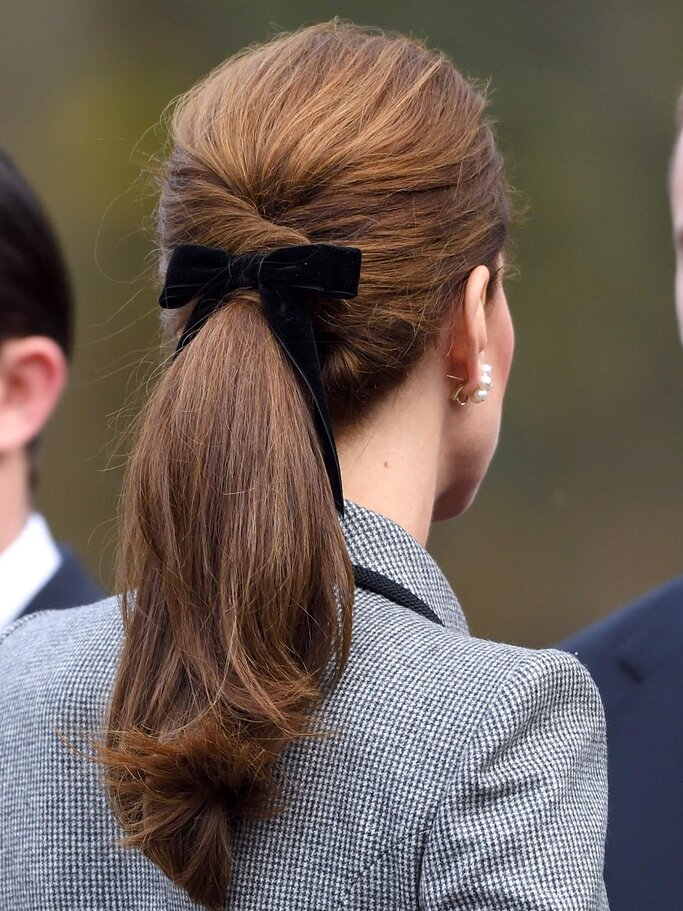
(15, 501)
(390, 464)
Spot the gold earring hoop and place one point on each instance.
(455, 396)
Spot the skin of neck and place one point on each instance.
(390, 461)
(15, 499)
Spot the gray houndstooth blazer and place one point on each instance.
(461, 774)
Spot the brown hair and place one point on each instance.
(241, 614)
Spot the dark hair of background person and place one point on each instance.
(229, 535)
(35, 294)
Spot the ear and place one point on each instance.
(33, 373)
(468, 335)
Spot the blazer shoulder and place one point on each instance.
(51, 650)
(445, 684)
(529, 795)
(414, 652)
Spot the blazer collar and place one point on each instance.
(379, 544)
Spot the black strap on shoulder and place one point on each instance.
(382, 585)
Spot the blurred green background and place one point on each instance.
(583, 505)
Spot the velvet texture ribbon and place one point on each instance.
(207, 276)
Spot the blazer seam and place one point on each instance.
(388, 849)
(424, 830)
(22, 621)
(476, 729)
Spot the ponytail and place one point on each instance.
(238, 612)
(242, 600)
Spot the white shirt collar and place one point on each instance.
(26, 566)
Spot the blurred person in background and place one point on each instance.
(287, 703)
(35, 343)
(636, 658)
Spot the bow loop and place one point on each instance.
(207, 273)
(322, 268)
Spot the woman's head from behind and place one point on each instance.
(338, 135)
(230, 537)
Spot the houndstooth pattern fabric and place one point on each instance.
(458, 774)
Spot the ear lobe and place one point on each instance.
(33, 374)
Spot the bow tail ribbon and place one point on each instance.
(290, 321)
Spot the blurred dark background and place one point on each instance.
(583, 505)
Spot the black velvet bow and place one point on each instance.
(207, 275)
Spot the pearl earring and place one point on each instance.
(481, 393)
